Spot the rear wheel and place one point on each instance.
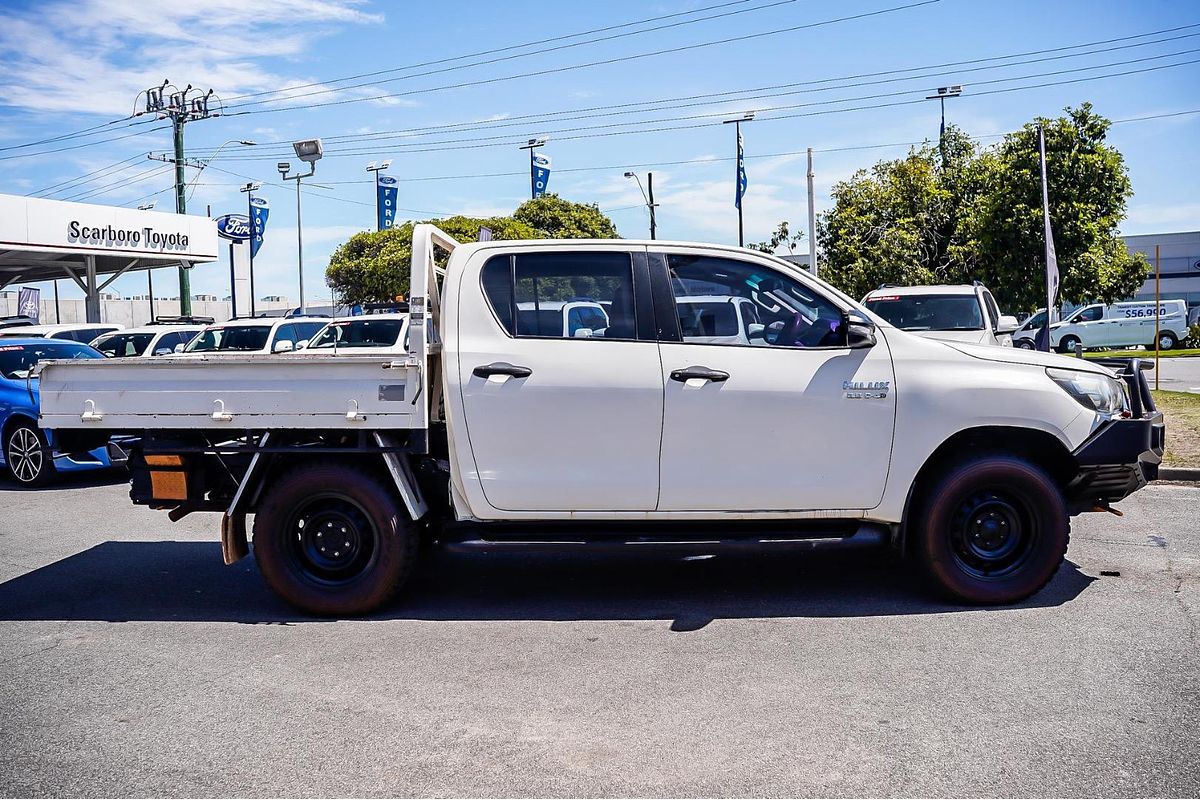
(332, 540)
(1067, 344)
(1166, 341)
(991, 530)
(27, 455)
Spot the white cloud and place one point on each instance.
(93, 55)
(1156, 218)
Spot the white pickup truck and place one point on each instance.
(836, 427)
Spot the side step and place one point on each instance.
(865, 535)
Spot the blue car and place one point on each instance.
(28, 453)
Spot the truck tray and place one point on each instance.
(231, 392)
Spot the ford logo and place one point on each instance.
(387, 180)
(235, 227)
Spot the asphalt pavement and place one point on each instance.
(135, 663)
(1178, 374)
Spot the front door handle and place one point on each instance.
(703, 373)
(501, 368)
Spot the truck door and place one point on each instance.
(795, 420)
(557, 422)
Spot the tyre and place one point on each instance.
(27, 455)
(1025, 344)
(1067, 344)
(991, 530)
(333, 540)
(1166, 341)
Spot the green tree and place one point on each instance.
(557, 218)
(373, 266)
(1003, 241)
(782, 237)
(977, 215)
(897, 223)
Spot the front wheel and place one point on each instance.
(1067, 344)
(991, 530)
(1025, 344)
(332, 540)
(1166, 341)
(27, 456)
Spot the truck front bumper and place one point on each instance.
(1123, 454)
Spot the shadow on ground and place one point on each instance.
(187, 581)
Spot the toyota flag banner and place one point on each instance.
(1043, 337)
(540, 165)
(259, 211)
(386, 189)
(741, 172)
(29, 303)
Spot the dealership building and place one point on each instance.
(1179, 260)
(91, 245)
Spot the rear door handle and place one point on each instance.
(501, 368)
(704, 373)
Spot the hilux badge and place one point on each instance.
(866, 390)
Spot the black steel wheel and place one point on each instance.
(333, 539)
(1067, 344)
(27, 456)
(992, 529)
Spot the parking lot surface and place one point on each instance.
(135, 663)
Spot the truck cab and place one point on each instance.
(827, 424)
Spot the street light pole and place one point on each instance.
(739, 168)
(650, 204)
(250, 189)
(942, 93)
(309, 151)
(532, 145)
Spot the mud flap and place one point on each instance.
(234, 546)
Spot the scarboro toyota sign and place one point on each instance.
(108, 236)
(37, 224)
(234, 227)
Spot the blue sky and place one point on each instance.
(65, 66)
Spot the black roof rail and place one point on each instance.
(385, 308)
(887, 286)
(181, 320)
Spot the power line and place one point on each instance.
(604, 110)
(649, 164)
(55, 188)
(123, 181)
(578, 131)
(568, 68)
(86, 144)
(287, 96)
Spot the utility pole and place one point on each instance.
(176, 107)
(812, 219)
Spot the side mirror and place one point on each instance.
(583, 333)
(179, 347)
(283, 347)
(1007, 324)
(303, 343)
(860, 331)
(166, 351)
(756, 330)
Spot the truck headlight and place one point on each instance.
(1093, 391)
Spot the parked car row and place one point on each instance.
(1121, 325)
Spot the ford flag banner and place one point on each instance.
(29, 303)
(386, 189)
(259, 211)
(741, 173)
(541, 173)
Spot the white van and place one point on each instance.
(1122, 325)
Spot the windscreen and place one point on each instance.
(123, 345)
(929, 312)
(359, 333)
(17, 359)
(233, 339)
